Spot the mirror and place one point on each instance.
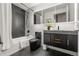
(37, 17)
(61, 17)
(60, 13)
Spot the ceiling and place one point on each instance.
(31, 4)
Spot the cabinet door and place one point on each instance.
(60, 40)
(52, 38)
(47, 38)
(72, 43)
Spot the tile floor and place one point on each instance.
(38, 52)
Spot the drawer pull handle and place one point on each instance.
(57, 42)
(67, 42)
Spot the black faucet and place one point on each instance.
(58, 27)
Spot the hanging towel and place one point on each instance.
(21, 45)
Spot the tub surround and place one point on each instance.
(17, 44)
(21, 39)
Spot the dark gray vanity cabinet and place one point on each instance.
(47, 38)
(72, 42)
(65, 40)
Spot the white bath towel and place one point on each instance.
(21, 45)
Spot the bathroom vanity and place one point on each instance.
(67, 40)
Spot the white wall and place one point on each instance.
(66, 26)
(31, 25)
